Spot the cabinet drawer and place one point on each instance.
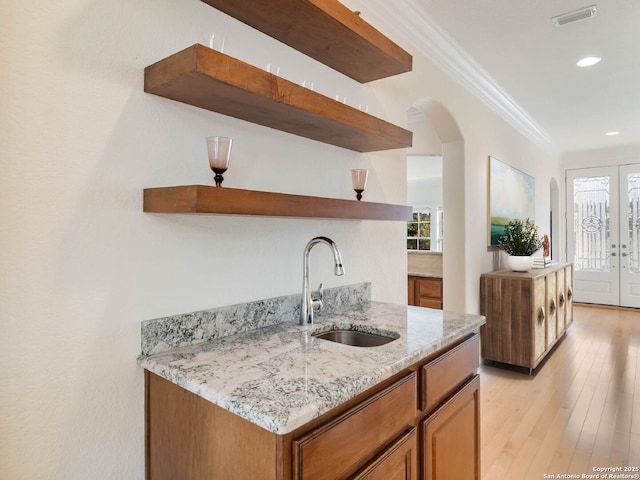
(338, 448)
(441, 377)
(430, 303)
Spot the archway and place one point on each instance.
(440, 126)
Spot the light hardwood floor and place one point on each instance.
(579, 410)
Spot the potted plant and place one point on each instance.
(520, 241)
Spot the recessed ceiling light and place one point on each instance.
(611, 134)
(588, 61)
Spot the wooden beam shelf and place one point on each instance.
(232, 201)
(205, 78)
(325, 30)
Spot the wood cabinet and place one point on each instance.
(399, 429)
(451, 431)
(527, 313)
(425, 291)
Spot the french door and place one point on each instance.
(603, 234)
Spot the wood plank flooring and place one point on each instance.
(579, 410)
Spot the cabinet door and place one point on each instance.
(398, 462)
(451, 437)
(429, 292)
(552, 308)
(568, 285)
(561, 300)
(511, 306)
(539, 319)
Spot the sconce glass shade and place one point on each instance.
(219, 149)
(359, 181)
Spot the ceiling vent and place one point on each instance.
(575, 16)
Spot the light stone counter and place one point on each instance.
(281, 377)
(424, 274)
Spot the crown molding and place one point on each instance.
(422, 32)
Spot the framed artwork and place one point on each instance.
(511, 196)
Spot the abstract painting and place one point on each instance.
(511, 196)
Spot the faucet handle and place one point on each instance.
(318, 298)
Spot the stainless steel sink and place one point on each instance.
(354, 338)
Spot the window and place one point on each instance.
(419, 230)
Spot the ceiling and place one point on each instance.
(514, 58)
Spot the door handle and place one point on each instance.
(613, 254)
(541, 315)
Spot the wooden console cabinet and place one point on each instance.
(423, 423)
(527, 313)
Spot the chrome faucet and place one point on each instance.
(312, 302)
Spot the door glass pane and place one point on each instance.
(591, 225)
(633, 213)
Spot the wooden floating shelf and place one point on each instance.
(232, 201)
(208, 79)
(325, 30)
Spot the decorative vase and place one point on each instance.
(520, 263)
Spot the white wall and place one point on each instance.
(425, 139)
(82, 266)
(426, 191)
(465, 184)
(622, 155)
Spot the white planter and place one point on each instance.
(519, 263)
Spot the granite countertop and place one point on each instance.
(280, 377)
(425, 275)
